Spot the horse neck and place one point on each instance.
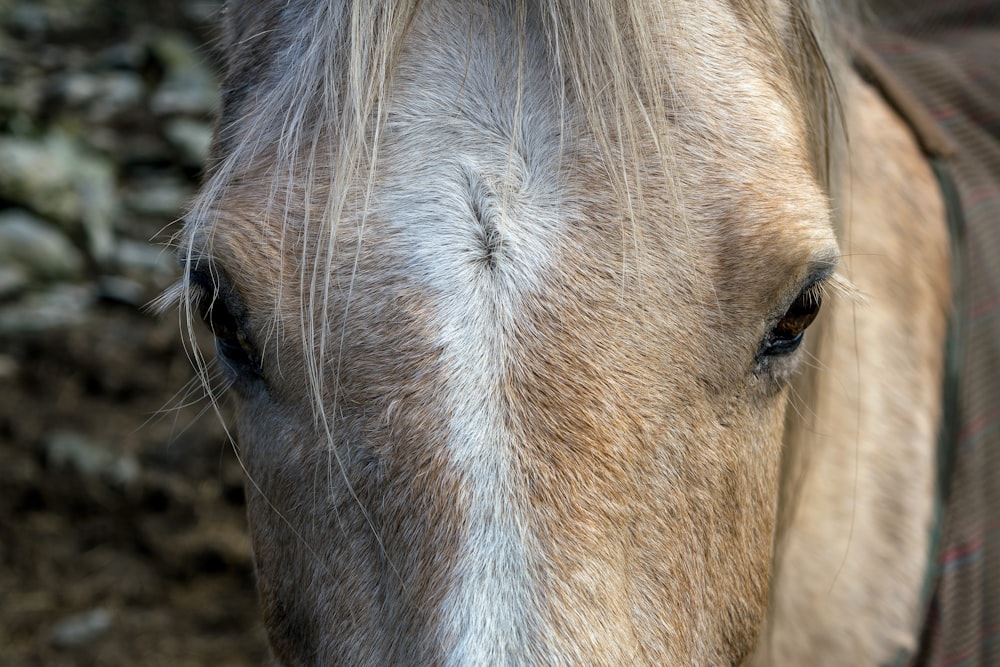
(859, 467)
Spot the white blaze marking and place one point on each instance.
(488, 611)
(450, 139)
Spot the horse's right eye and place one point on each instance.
(231, 341)
(786, 336)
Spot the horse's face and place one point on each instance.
(513, 413)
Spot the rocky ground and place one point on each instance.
(122, 537)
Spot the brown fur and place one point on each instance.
(853, 556)
(557, 235)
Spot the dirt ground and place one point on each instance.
(122, 529)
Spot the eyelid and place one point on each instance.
(203, 274)
(209, 284)
(207, 280)
(819, 277)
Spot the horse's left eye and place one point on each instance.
(787, 334)
(231, 342)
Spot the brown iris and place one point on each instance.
(787, 334)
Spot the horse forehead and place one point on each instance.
(468, 62)
(727, 103)
(483, 108)
(469, 90)
(477, 116)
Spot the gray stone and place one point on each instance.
(189, 85)
(78, 87)
(203, 11)
(60, 179)
(59, 307)
(104, 95)
(80, 629)
(38, 248)
(8, 367)
(29, 17)
(42, 16)
(121, 90)
(67, 449)
(153, 265)
(162, 197)
(192, 138)
(13, 281)
(122, 290)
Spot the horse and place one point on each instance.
(567, 333)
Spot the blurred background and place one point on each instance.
(122, 534)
